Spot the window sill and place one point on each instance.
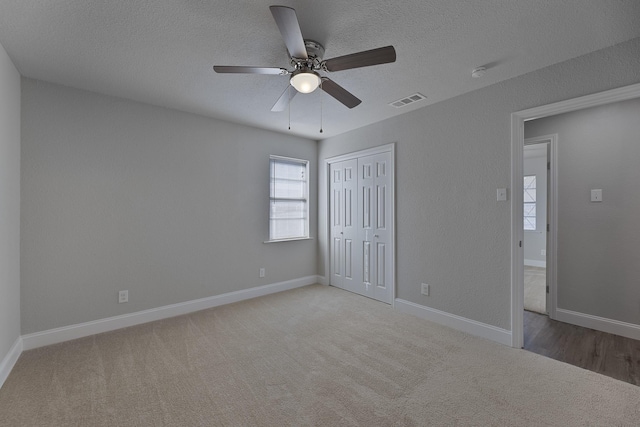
(293, 239)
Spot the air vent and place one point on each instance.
(408, 100)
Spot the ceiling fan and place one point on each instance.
(307, 60)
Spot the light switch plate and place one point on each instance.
(596, 195)
(501, 194)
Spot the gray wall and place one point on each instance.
(598, 243)
(536, 241)
(122, 195)
(450, 158)
(9, 204)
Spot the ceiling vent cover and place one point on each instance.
(408, 100)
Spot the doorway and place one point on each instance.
(518, 120)
(361, 222)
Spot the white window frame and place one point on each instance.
(305, 163)
(534, 202)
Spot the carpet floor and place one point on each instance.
(311, 356)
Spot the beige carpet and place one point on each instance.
(535, 289)
(312, 356)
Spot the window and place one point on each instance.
(530, 202)
(289, 207)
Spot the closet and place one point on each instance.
(361, 218)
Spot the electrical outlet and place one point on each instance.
(262, 272)
(123, 296)
(424, 290)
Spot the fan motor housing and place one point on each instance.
(314, 49)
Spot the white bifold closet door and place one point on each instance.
(361, 228)
(344, 211)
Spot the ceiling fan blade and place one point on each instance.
(339, 93)
(287, 22)
(249, 70)
(284, 99)
(381, 55)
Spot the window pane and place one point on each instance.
(288, 216)
(289, 170)
(288, 180)
(530, 209)
(529, 198)
(529, 181)
(530, 224)
(530, 195)
(286, 229)
(286, 189)
(288, 219)
(281, 209)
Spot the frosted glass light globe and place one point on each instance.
(305, 82)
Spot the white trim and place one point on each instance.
(601, 98)
(10, 360)
(392, 150)
(517, 232)
(323, 280)
(291, 239)
(479, 329)
(387, 148)
(66, 333)
(362, 153)
(535, 263)
(288, 159)
(611, 326)
(517, 144)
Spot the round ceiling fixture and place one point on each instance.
(305, 81)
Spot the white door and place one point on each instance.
(344, 248)
(375, 227)
(539, 266)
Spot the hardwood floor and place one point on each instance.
(612, 355)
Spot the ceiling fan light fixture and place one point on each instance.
(305, 81)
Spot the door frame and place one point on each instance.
(387, 148)
(552, 216)
(517, 146)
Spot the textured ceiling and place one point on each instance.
(162, 51)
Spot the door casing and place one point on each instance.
(517, 146)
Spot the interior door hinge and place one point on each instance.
(547, 228)
(549, 166)
(520, 243)
(547, 289)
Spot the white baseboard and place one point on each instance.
(616, 327)
(323, 280)
(453, 321)
(9, 361)
(535, 263)
(66, 333)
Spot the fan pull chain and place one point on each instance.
(321, 91)
(289, 104)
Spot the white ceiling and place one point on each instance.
(161, 52)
